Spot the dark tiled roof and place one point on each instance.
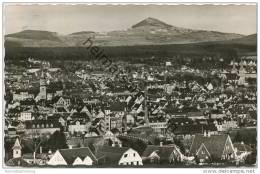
(45, 123)
(112, 155)
(215, 144)
(85, 142)
(242, 147)
(118, 106)
(70, 155)
(194, 128)
(163, 151)
(16, 162)
(195, 114)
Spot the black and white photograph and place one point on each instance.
(129, 85)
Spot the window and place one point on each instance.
(51, 125)
(33, 126)
(125, 155)
(134, 154)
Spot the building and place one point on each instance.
(17, 149)
(39, 127)
(118, 156)
(78, 126)
(26, 115)
(162, 154)
(42, 95)
(209, 148)
(73, 157)
(158, 127)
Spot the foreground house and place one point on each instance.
(211, 148)
(242, 151)
(73, 157)
(118, 156)
(17, 159)
(162, 154)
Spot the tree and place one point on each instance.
(238, 137)
(251, 159)
(57, 141)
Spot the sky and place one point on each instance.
(66, 19)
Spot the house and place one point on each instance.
(118, 156)
(115, 122)
(242, 151)
(77, 126)
(73, 157)
(61, 102)
(26, 115)
(195, 115)
(17, 159)
(22, 95)
(38, 159)
(17, 162)
(118, 108)
(17, 149)
(192, 129)
(210, 148)
(159, 127)
(42, 126)
(162, 154)
(11, 132)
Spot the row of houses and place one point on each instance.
(204, 149)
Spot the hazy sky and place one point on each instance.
(66, 19)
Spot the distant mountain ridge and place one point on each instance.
(149, 31)
(151, 22)
(35, 34)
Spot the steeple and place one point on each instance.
(17, 149)
(43, 79)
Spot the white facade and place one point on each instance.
(130, 157)
(158, 127)
(62, 102)
(57, 159)
(17, 149)
(86, 161)
(25, 116)
(22, 96)
(77, 127)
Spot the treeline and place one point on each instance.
(131, 53)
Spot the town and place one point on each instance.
(169, 113)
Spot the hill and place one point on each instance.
(149, 31)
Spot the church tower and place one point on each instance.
(17, 149)
(242, 75)
(43, 87)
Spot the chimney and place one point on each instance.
(161, 144)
